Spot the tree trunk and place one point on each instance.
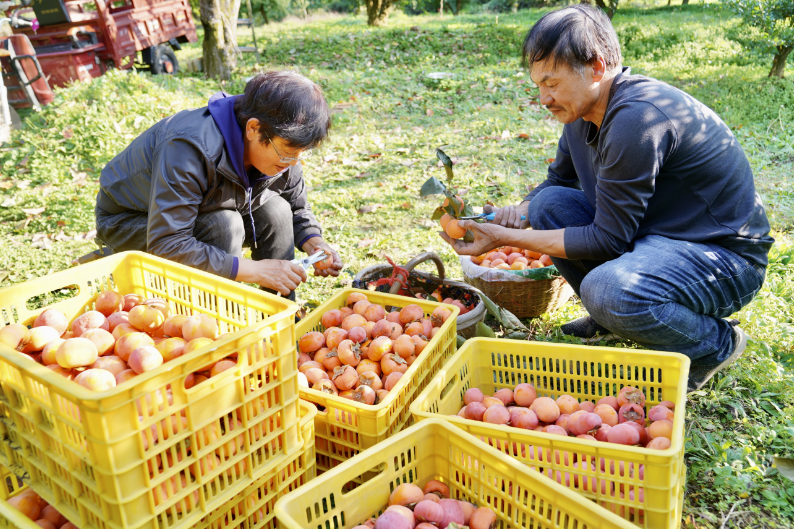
(219, 18)
(608, 9)
(378, 11)
(779, 62)
(515, 6)
(684, 2)
(441, 8)
(263, 13)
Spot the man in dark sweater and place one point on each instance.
(649, 209)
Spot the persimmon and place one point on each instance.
(444, 220)
(454, 230)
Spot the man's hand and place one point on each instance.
(509, 216)
(275, 274)
(486, 237)
(314, 245)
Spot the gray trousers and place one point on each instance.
(225, 229)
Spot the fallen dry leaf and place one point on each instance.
(363, 175)
(90, 235)
(67, 134)
(43, 244)
(549, 160)
(524, 136)
(429, 111)
(407, 163)
(9, 202)
(38, 236)
(406, 205)
(63, 237)
(3, 275)
(6, 184)
(33, 211)
(370, 208)
(363, 243)
(22, 224)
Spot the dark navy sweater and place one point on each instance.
(662, 163)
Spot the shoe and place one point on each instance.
(700, 374)
(585, 327)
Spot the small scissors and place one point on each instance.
(486, 216)
(307, 262)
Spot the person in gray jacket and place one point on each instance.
(649, 209)
(201, 184)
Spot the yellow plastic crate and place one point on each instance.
(90, 453)
(345, 427)
(587, 373)
(9, 517)
(238, 512)
(254, 507)
(434, 449)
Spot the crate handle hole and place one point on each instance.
(54, 296)
(365, 477)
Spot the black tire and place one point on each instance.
(164, 60)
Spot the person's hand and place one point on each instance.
(509, 216)
(281, 276)
(486, 238)
(316, 244)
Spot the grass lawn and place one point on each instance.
(388, 121)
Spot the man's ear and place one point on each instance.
(599, 67)
(252, 129)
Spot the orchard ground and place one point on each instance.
(388, 120)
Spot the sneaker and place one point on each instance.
(700, 374)
(585, 327)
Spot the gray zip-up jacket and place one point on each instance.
(180, 168)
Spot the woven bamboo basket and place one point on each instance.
(525, 299)
(426, 283)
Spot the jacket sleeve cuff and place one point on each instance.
(300, 245)
(230, 266)
(304, 235)
(575, 243)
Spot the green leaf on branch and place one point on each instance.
(456, 204)
(441, 155)
(433, 186)
(469, 237)
(438, 213)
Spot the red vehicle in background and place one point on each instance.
(81, 39)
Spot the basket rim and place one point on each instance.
(464, 320)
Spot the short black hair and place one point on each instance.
(574, 36)
(287, 105)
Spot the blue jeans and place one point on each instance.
(664, 294)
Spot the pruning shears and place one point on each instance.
(486, 216)
(307, 262)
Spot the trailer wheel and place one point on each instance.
(164, 61)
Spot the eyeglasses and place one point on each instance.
(305, 154)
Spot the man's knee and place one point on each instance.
(274, 231)
(223, 229)
(549, 208)
(609, 293)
